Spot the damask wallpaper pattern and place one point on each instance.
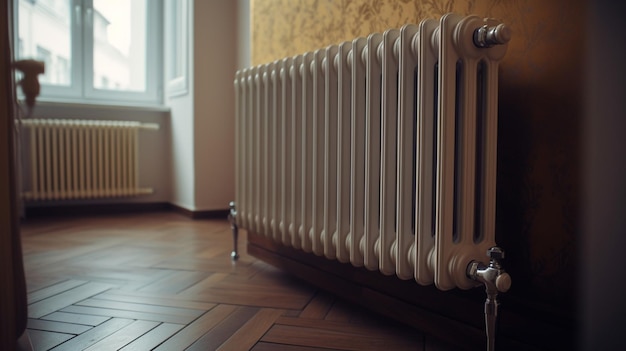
(540, 115)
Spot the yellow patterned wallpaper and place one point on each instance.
(283, 28)
(541, 93)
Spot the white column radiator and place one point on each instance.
(79, 159)
(380, 151)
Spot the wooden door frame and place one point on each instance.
(13, 310)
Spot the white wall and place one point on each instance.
(215, 58)
(181, 107)
(181, 145)
(203, 119)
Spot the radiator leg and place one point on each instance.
(232, 218)
(495, 280)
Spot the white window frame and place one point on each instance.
(81, 88)
(177, 39)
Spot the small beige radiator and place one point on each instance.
(81, 159)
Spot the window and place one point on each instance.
(45, 56)
(62, 68)
(100, 50)
(176, 38)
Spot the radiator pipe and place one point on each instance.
(495, 280)
(232, 218)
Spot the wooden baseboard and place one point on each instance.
(455, 316)
(37, 211)
(204, 214)
(117, 208)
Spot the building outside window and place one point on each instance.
(93, 49)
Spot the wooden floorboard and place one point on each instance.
(153, 338)
(75, 318)
(154, 299)
(266, 346)
(45, 340)
(65, 299)
(146, 316)
(58, 327)
(141, 307)
(252, 331)
(92, 336)
(218, 335)
(161, 281)
(124, 336)
(318, 307)
(333, 338)
(194, 331)
(52, 290)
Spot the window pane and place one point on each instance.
(44, 34)
(177, 64)
(119, 45)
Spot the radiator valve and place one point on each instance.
(495, 280)
(488, 36)
(493, 275)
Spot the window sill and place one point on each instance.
(43, 102)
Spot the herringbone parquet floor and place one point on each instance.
(161, 281)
